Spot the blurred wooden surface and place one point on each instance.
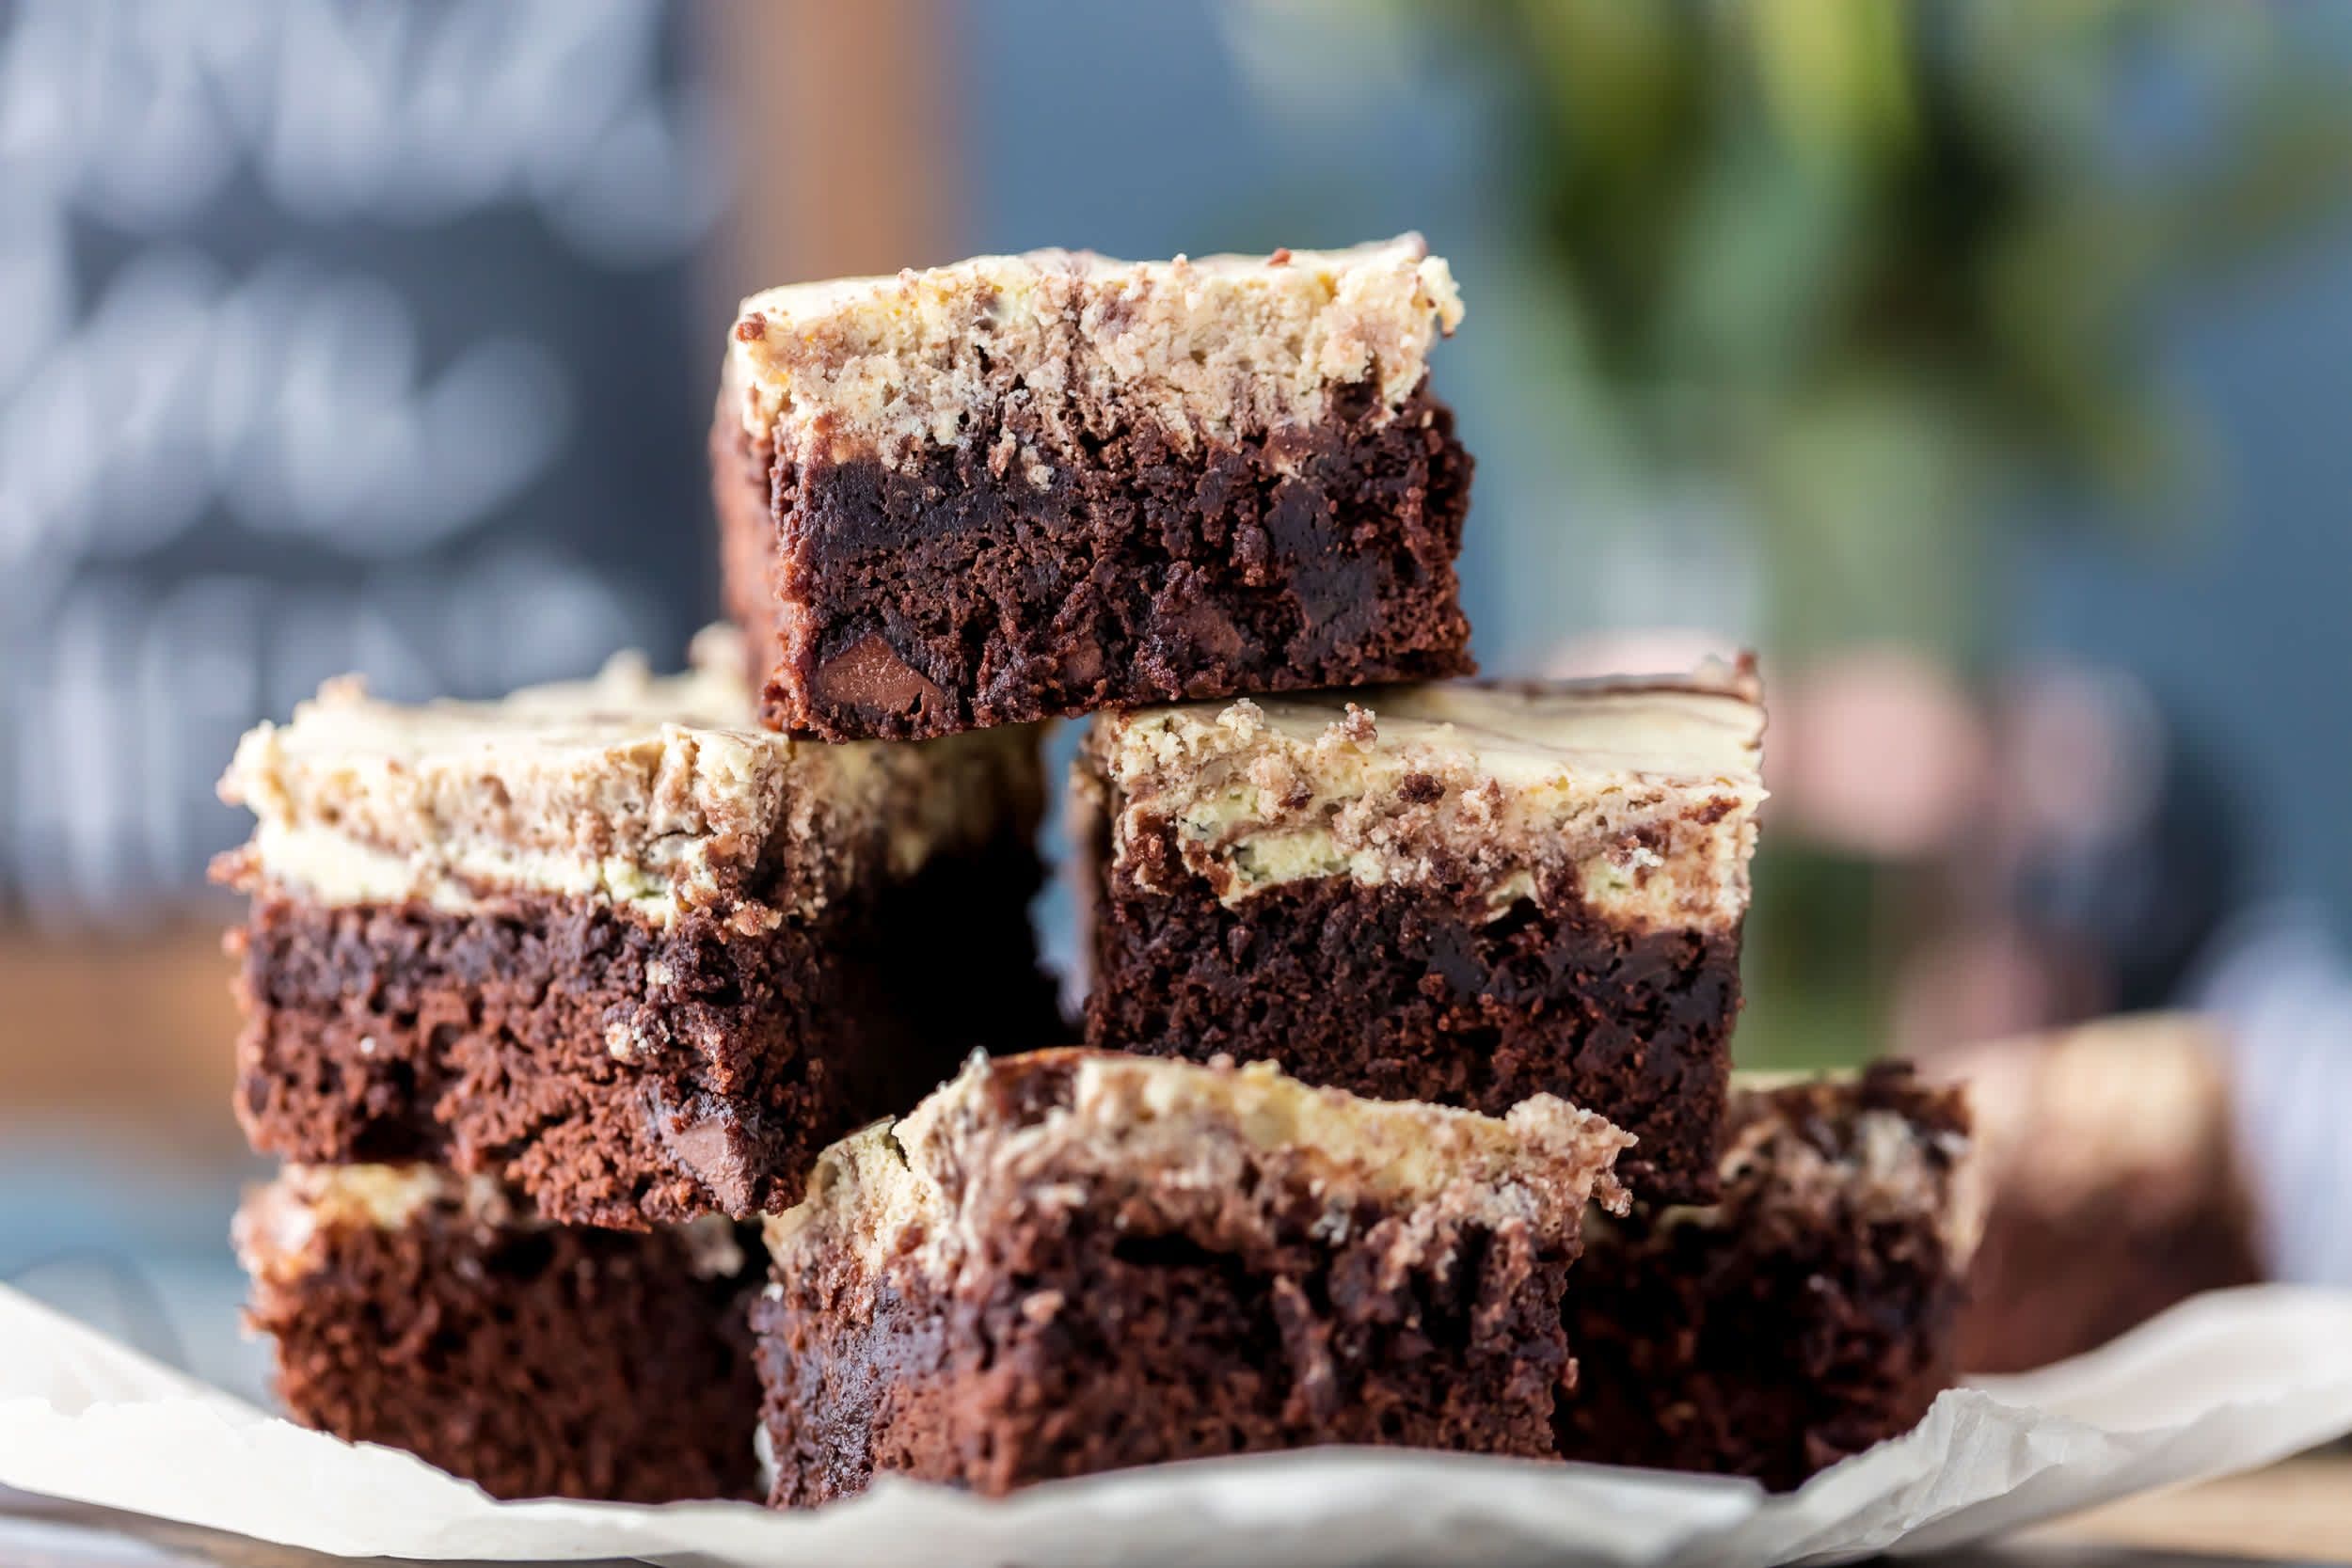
(2300, 1511)
(136, 1031)
(845, 137)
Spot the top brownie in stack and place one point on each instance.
(1465, 893)
(614, 942)
(1023, 487)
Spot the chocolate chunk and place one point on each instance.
(707, 1139)
(869, 677)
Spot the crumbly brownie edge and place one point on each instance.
(1795, 1322)
(742, 493)
(964, 590)
(618, 1073)
(1095, 1336)
(538, 1361)
(1397, 994)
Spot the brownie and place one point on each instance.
(1465, 893)
(2119, 1187)
(1023, 487)
(614, 943)
(430, 1313)
(1071, 1261)
(1806, 1314)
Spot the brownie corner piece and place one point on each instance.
(1074, 1261)
(614, 943)
(1027, 486)
(1810, 1313)
(1467, 892)
(428, 1312)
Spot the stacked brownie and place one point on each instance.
(1464, 892)
(1410, 989)
(1806, 1314)
(1028, 486)
(1480, 939)
(543, 997)
(1070, 1262)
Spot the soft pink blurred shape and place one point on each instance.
(1876, 751)
(2081, 753)
(1989, 981)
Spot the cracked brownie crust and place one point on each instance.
(1808, 1314)
(534, 1360)
(660, 795)
(613, 1072)
(1070, 1262)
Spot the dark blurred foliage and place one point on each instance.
(1881, 281)
(1874, 265)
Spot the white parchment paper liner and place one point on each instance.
(2225, 1383)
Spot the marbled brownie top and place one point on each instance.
(1214, 350)
(1822, 1151)
(659, 794)
(283, 1227)
(1074, 1127)
(1637, 795)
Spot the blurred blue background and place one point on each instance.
(1983, 363)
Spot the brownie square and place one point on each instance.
(615, 944)
(1464, 892)
(2119, 1185)
(1023, 487)
(1072, 1261)
(1807, 1314)
(429, 1311)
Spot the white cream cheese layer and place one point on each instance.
(1640, 794)
(1212, 349)
(653, 794)
(900, 1188)
(281, 1226)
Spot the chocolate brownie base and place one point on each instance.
(614, 1072)
(1078, 1305)
(541, 1361)
(1806, 1316)
(1399, 993)
(2052, 1284)
(1160, 1349)
(958, 592)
